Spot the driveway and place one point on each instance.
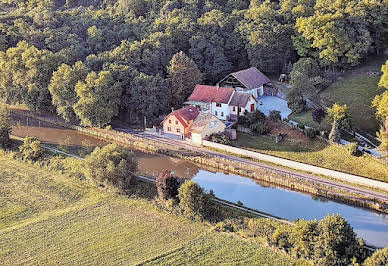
(270, 103)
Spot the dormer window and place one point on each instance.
(169, 121)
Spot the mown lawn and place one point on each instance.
(51, 219)
(316, 153)
(306, 119)
(357, 92)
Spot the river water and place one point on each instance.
(284, 203)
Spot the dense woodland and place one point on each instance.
(92, 61)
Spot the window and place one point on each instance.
(176, 122)
(222, 113)
(178, 130)
(218, 104)
(234, 108)
(169, 129)
(213, 124)
(169, 121)
(215, 113)
(239, 109)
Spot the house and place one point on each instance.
(179, 122)
(212, 99)
(249, 80)
(241, 102)
(204, 125)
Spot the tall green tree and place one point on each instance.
(5, 126)
(99, 99)
(62, 88)
(184, 75)
(380, 102)
(339, 116)
(193, 200)
(267, 37)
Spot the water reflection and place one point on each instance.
(372, 226)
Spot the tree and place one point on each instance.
(167, 185)
(62, 88)
(184, 75)
(336, 243)
(193, 200)
(99, 99)
(378, 258)
(339, 116)
(31, 149)
(267, 37)
(111, 166)
(5, 126)
(318, 114)
(25, 73)
(380, 102)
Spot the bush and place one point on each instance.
(193, 200)
(352, 149)
(260, 228)
(5, 127)
(301, 126)
(378, 258)
(167, 185)
(220, 138)
(318, 115)
(311, 133)
(251, 118)
(31, 149)
(275, 115)
(297, 106)
(111, 165)
(259, 127)
(281, 238)
(71, 167)
(302, 237)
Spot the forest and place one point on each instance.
(94, 61)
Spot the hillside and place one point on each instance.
(47, 218)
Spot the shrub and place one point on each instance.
(260, 228)
(301, 126)
(302, 237)
(167, 185)
(31, 149)
(275, 115)
(311, 133)
(281, 237)
(111, 165)
(220, 138)
(193, 200)
(5, 127)
(259, 127)
(352, 149)
(251, 118)
(318, 115)
(378, 258)
(69, 166)
(297, 105)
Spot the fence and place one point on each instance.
(299, 166)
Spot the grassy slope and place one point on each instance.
(357, 89)
(316, 153)
(47, 219)
(306, 119)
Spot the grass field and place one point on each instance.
(306, 119)
(47, 218)
(316, 153)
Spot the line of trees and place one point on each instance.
(91, 61)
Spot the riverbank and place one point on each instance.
(238, 166)
(64, 220)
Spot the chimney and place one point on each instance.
(217, 86)
(172, 109)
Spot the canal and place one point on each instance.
(288, 204)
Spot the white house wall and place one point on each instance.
(222, 112)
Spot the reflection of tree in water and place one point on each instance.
(154, 164)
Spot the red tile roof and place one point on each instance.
(184, 115)
(205, 93)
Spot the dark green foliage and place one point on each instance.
(378, 258)
(281, 238)
(167, 185)
(295, 101)
(352, 149)
(5, 126)
(193, 200)
(220, 138)
(275, 115)
(259, 127)
(318, 115)
(311, 133)
(31, 149)
(111, 166)
(302, 237)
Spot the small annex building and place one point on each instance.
(249, 80)
(204, 125)
(179, 122)
(241, 102)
